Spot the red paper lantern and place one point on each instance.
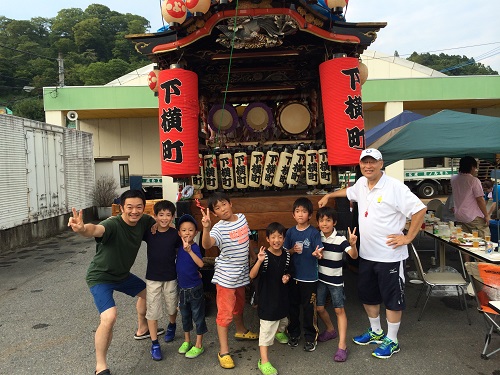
(343, 110)
(178, 122)
(153, 80)
(198, 7)
(174, 11)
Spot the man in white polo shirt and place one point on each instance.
(384, 205)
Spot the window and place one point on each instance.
(124, 176)
(433, 162)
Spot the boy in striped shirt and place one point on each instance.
(330, 277)
(232, 236)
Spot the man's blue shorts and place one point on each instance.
(103, 293)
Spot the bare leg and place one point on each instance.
(103, 336)
(199, 341)
(325, 317)
(142, 324)
(187, 337)
(240, 326)
(263, 354)
(153, 329)
(342, 327)
(372, 310)
(172, 318)
(223, 342)
(393, 316)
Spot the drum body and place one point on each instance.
(257, 117)
(223, 119)
(294, 117)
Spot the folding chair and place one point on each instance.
(434, 279)
(485, 280)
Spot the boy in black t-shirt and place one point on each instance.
(161, 275)
(272, 266)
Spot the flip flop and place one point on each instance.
(147, 335)
(103, 372)
(249, 335)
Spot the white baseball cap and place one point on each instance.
(372, 152)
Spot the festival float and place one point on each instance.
(257, 98)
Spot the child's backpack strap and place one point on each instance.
(265, 263)
(287, 262)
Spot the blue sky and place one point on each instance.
(455, 27)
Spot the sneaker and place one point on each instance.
(310, 346)
(267, 368)
(293, 342)
(156, 352)
(170, 333)
(327, 335)
(281, 337)
(369, 337)
(386, 349)
(194, 352)
(184, 347)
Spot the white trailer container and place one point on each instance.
(44, 171)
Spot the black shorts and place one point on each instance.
(381, 283)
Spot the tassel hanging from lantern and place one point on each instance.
(178, 122)
(343, 110)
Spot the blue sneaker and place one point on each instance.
(170, 333)
(369, 337)
(386, 349)
(156, 352)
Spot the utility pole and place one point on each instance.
(60, 64)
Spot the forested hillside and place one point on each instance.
(91, 43)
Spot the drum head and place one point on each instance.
(294, 117)
(222, 118)
(257, 117)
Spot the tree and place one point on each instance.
(453, 65)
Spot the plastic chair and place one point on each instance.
(485, 280)
(434, 279)
(439, 211)
(433, 205)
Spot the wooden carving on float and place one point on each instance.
(256, 32)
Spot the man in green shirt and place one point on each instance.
(118, 241)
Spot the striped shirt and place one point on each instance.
(233, 240)
(330, 267)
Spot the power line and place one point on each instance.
(28, 53)
(449, 49)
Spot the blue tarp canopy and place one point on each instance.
(380, 130)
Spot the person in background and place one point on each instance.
(468, 197)
(384, 205)
(491, 193)
(232, 236)
(118, 240)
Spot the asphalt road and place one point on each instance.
(48, 320)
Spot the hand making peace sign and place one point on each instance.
(205, 218)
(352, 236)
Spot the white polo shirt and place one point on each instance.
(383, 211)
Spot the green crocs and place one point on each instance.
(194, 352)
(281, 337)
(267, 368)
(185, 347)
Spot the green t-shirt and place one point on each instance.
(116, 250)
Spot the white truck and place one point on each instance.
(425, 182)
